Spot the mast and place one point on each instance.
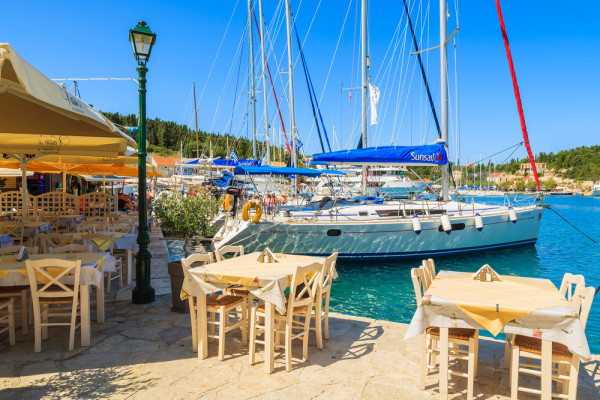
(288, 18)
(264, 74)
(196, 118)
(252, 92)
(444, 88)
(365, 83)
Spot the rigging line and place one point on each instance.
(510, 155)
(235, 99)
(218, 51)
(352, 73)
(568, 222)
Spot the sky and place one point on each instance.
(554, 46)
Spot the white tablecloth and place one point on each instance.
(89, 276)
(127, 241)
(6, 240)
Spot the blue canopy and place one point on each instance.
(285, 171)
(433, 154)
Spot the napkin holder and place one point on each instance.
(486, 274)
(267, 256)
(23, 254)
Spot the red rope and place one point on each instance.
(517, 95)
(287, 144)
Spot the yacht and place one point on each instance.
(596, 189)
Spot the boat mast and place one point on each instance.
(365, 83)
(196, 118)
(264, 74)
(252, 91)
(288, 18)
(444, 88)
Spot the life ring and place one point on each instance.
(227, 202)
(246, 212)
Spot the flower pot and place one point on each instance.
(176, 274)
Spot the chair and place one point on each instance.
(564, 365)
(54, 293)
(236, 251)
(301, 300)
(126, 228)
(8, 319)
(50, 240)
(16, 231)
(186, 263)
(71, 248)
(103, 242)
(20, 292)
(569, 280)
(10, 250)
(30, 218)
(456, 337)
(428, 274)
(223, 305)
(321, 310)
(91, 227)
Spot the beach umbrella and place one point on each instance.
(39, 117)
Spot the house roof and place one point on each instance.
(166, 161)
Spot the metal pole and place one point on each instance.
(444, 89)
(252, 92)
(142, 293)
(365, 84)
(196, 117)
(288, 18)
(24, 161)
(264, 74)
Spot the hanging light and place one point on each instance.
(142, 39)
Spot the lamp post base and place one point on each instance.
(142, 295)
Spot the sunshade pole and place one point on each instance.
(103, 183)
(23, 159)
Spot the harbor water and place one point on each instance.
(383, 290)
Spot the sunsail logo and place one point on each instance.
(425, 157)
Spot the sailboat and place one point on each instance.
(366, 228)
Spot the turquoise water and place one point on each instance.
(383, 290)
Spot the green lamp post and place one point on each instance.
(142, 39)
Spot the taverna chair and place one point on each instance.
(10, 250)
(236, 290)
(235, 251)
(569, 285)
(564, 365)
(8, 318)
(71, 248)
(54, 293)
(103, 242)
(457, 337)
(301, 300)
(51, 240)
(15, 230)
(186, 263)
(122, 227)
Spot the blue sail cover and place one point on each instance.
(285, 171)
(433, 154)
(224, 180)
(233, 163)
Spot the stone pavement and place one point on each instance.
(145, 352)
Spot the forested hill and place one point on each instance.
(581, 163)
(165, 138)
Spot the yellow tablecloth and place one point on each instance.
(99, 242)
(493, 304)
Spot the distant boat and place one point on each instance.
(596, 190)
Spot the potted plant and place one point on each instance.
(183, 218)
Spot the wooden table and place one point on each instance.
(246, 271)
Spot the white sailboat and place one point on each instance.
(364, 229)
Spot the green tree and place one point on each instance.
(519, 185)
(506, 185)
(531, 186)
(550, 184)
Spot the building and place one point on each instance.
(525, 168)
(167, 166)
(499, 177)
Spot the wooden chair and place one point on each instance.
(125, 228)
(186, 263)
(51, 240)
(8, 319)
(569, 284)
(20, 292)
(11, 250)
(91, 227)
(30, 218)
(456, 337)
(71, 248)
(321, 309)
(563, 366)
(103, 242)
(301, 300)
(54, 293)
(235, 251)
(15, 230)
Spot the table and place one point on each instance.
(524, 306)
(14, 273)
(266, 281)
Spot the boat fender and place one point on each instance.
(478, 222)
(416, 225)
(246, 212)
(446, 225)
(512, 215)
(227, 202)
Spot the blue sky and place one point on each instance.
(554, 44)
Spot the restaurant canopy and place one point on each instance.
(427, 155)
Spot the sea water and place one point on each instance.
(383, 290)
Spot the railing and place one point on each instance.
(89, 204)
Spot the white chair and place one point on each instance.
(51, 240)
(569, 284)
(125, 228)
(91, 227)
(301, 300)
(186, 263)
(321, 308)
(11, 250)
(564, 365)
(54, 293)
(71, 248)
(8, 319)
(16, 231)
(456, 336)
(102, 242)
(235, 251)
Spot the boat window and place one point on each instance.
(455, 227)
(334, 232)
(363, 213)
(389, 213)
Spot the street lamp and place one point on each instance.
(142, 39)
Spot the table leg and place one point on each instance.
(202, 327)
(100, 299)
(129, 262)
(84, 296)
(444, 363)
(546, 370)
(269, 339)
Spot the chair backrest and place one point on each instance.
(204, 258)
(427, 278)
(9, 250)
(91, 227)
(431, 266)
(100, 242)
(582, 300)
(13, 229)
(418, 280)
(49, 272)
(50, 240)
(237, 251)
(327, 274)
(30, 218)
(71, 248)
(569, 280)
(304, 286)
(122, 227)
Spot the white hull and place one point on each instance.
(393, 238)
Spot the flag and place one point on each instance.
(374, 97)
(298, 142)
(233, 156)
(261, 158)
